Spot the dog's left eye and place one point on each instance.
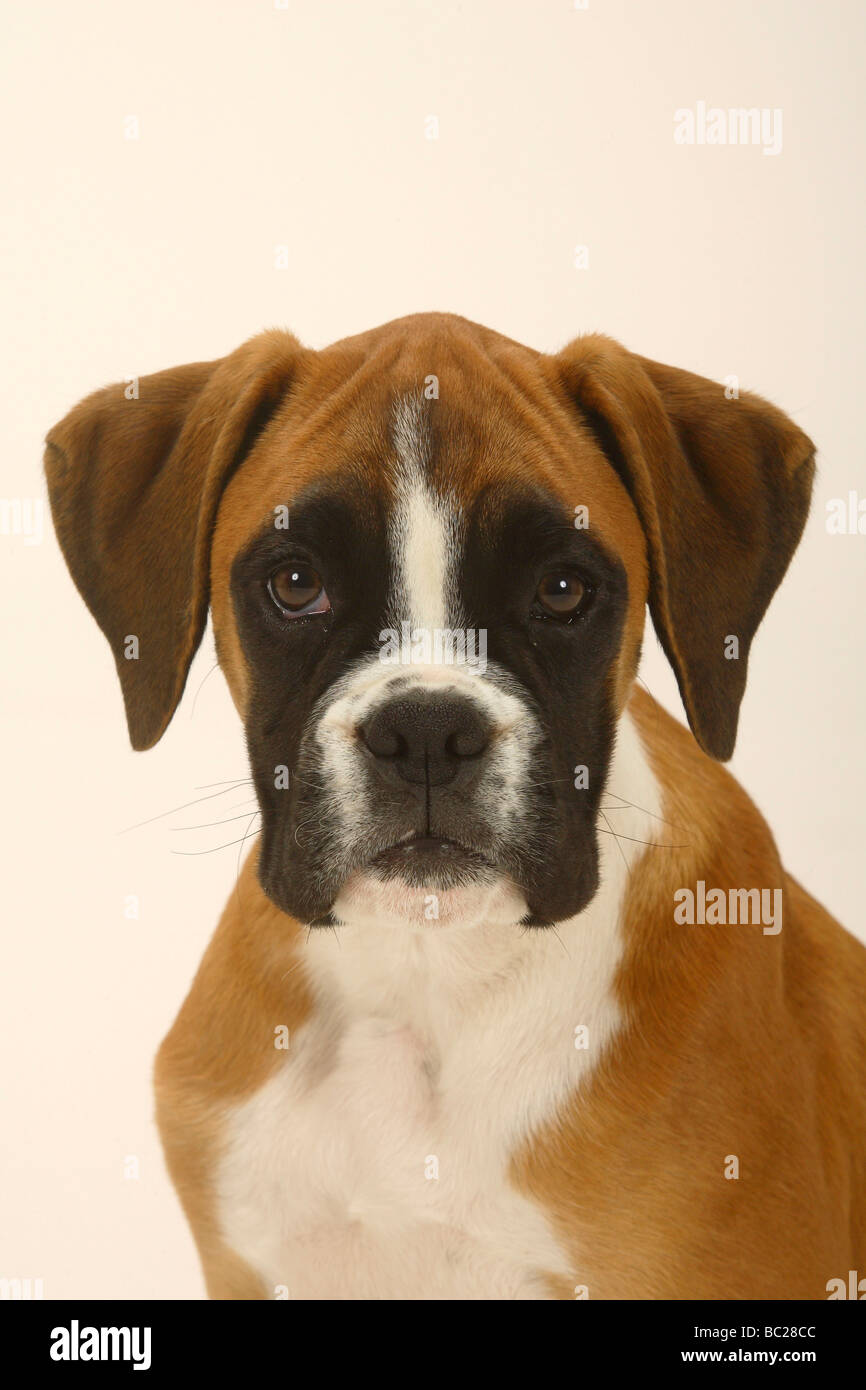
(561, 596)
(297, 590)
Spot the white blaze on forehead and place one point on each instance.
(424, 529)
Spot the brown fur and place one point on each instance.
(735, 1042)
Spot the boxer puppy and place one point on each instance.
(514, 999)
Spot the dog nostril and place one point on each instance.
(391, 745)
(383, 740)
(466, 743)
(426, 739)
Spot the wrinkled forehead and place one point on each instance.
(415, 446)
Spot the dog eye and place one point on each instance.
(559, 596)
(298, 590)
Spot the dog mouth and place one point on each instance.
(422, 857)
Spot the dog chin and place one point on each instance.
(370, 899)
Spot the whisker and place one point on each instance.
(240, 852)
(318, 815)
(618, 845)
(206, 825)
(173, 812)
(651, 844)
(635, 807)
(559, 939)
(201, 683)
(297, 964)
(237, 781)
(216, 848)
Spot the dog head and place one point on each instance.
(427, 551)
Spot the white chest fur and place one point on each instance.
(374, 1163)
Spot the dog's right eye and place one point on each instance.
(297, 590)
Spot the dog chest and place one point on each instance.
(368, 1167)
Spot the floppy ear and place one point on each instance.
(722, 488)
(134, 487)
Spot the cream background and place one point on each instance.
(305, 127)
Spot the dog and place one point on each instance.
(514, 999)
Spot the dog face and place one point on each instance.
(428, 552)
(430, 648)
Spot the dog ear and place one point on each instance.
(722, 487)
(134, 487)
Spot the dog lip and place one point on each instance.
(418, 845)
(417, 840)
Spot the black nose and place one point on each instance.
(427, 738)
